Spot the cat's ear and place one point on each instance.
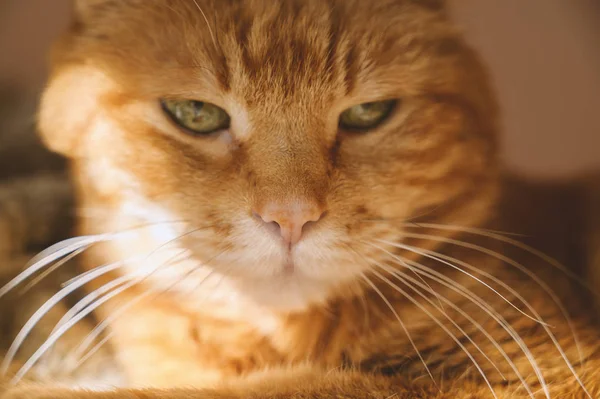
(70, 107)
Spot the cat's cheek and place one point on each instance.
(104, 175)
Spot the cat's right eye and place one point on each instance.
(195, 116)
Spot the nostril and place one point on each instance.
(272, 225)
(310, 223)
(289, 221)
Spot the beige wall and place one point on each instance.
(545, 59)
(27, 27)
(544, 56)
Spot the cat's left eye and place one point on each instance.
(196, 116)
(366, 116)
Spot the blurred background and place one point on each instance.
(544, 56)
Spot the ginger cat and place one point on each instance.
(298, 199)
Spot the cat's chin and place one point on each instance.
(290, 292)
(287, 292)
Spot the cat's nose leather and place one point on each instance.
(290, 219)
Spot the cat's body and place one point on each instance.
(346, 333)
(285, 256)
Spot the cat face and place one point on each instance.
(289, 136)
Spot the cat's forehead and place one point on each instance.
(289, 48)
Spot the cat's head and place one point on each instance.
(293, 135)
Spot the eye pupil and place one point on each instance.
(197, 105)
(198, 114)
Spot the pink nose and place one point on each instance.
(290, 218)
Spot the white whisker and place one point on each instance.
(49, 304)
(498, 236)
(212, 35)
(446, 281)
(93, 351)
(389, 305)
(51, 269)
(430, 255)
(93, 335)
(463, 291)
(92, 296)
(537, 280)
(55, 336)
(68, 247)
(407, 280)
(442, 326)
(52, 254)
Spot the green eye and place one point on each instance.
(366, 116)
(196, 116)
